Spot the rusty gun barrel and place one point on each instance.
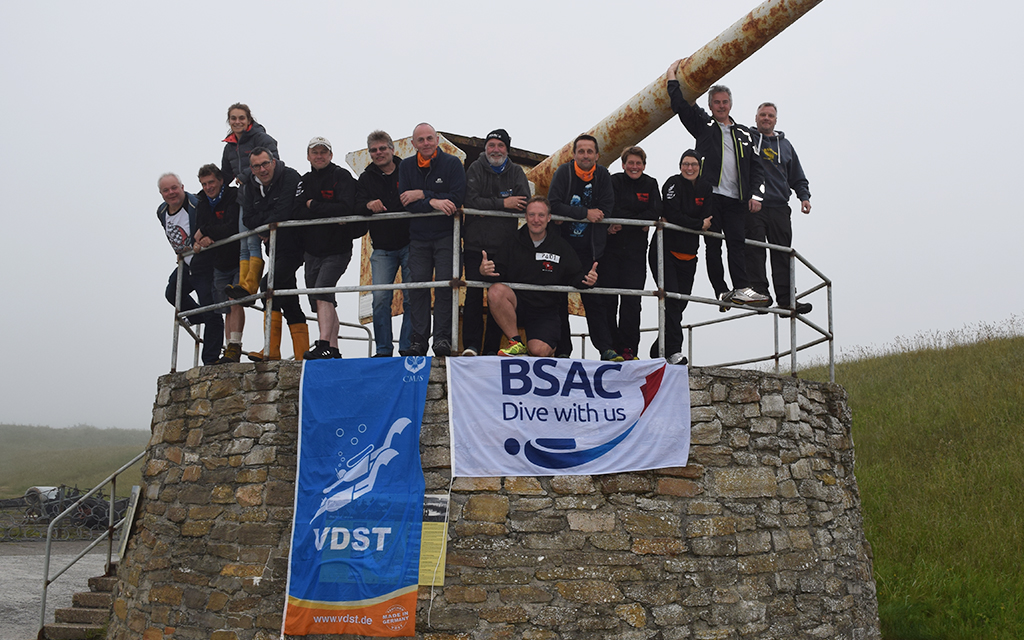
(649, 109)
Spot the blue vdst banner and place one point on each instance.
(354, 563)
(548, 416)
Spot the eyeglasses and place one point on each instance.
(378, 149)
(689, 165)
(262, 165)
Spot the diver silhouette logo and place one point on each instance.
(561, 453)
(360, 474)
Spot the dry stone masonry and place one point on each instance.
(760, 536)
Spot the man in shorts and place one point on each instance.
(327, 191)
(533, 257)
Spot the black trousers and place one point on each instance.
(773, 225)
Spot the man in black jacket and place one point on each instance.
(217, 217)
(582, 189)
(327, 191)
(269, 196)
(534, 256)
(730, 164)
(377, 192)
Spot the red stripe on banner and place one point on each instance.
(651, 386)
(390, 619)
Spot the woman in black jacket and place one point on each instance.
(686, 202)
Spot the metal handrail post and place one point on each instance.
(455, 280)
(177, 323)
(831, 338)
(689, 347)
(268, 302)
(110, 526)
(775, 324)
(660, 233)
(792, 314)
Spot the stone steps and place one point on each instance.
(89, 614)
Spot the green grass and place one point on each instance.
(938, 423)
(83, 456)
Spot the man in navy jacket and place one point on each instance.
(431, 181)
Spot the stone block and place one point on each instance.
(590, 592)
(572, 484)
(651, 526)
(470, 485)
(486, 508)
(757, 482)
(678, 487)
(706, 432)
(773, 405)
(658, 547)
(510, 615)
(524, 595)
(166, 594)
(524, 486)
(625, 483)
(591, 522)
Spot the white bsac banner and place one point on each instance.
(549, 416)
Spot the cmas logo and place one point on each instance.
(414, 364)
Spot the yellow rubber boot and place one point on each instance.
(300, 339)
(274, 348)
(251, 283)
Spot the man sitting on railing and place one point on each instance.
(533, 257)
(327, 191)
(493, 183)
(433, 180)
(177, 215)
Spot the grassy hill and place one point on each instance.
(41, 456)
(938, 425)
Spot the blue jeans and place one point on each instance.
(383, 267)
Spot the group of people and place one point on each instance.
(736, 180)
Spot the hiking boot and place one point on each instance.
(232, 353)
(322, 350)
(514, 348)
(442, 349)
(803, 308)
(751, 298)
(627, 355)
(609, 355)
(677, 358)
(417, 347)
(470, 351)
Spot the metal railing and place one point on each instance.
(824, 334)
(108, 535)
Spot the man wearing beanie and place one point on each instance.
(493, 183)
(431, 181)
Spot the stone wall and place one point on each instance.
(759, 537)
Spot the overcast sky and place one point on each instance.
(892, 107)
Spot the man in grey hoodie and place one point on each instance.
(782, 174)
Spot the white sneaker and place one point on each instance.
(750, 297)
(676, 358)
(470, 351)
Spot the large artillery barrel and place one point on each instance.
(649, 109)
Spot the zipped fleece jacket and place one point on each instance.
(235, 160)
(487, 190)
(277, 205)
(709, 146)
(685, 204)
(585, 237)
(199, 261)
(333, 192)
(782, 170)
(386, 235)
(444, 179)
(637, 199)
(553, 262)
(220, 221)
